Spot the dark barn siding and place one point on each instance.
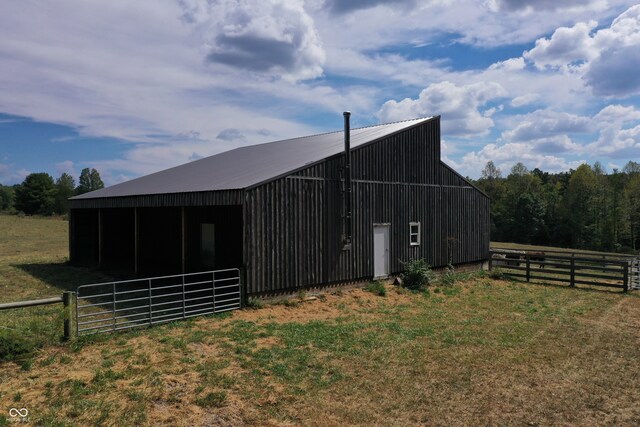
(159, 240)
(294, 227)
(83, 231)
(118, 238)
(288, 231)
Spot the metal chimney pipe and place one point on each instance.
(347, 173)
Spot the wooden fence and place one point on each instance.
(572, 268)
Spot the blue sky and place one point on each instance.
(134, 87)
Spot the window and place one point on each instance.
(414, 233)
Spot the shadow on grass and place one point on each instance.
(67, 277)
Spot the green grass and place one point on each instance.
(470, 350)
(33, 264)
(377, 288)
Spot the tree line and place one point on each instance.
(586, 208)
(40, 194)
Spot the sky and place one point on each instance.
(130, 88)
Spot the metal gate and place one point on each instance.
(112, 306)
(634, 274)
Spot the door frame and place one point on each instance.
(375, 225)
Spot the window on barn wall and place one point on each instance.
(207, 245)
(414, 233)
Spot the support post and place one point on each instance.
(183, 238)
(572, 282)
(100, 237)
(68, 301)
(135, 240)
(72, 236)
(528, 267)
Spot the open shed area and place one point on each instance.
(158, 240)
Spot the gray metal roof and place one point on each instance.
(247, 166)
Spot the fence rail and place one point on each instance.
(66, 299)
(112, 306)
(574, 269)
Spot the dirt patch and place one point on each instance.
(325, 306)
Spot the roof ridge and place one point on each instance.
(334, 131)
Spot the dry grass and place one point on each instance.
(479, 352)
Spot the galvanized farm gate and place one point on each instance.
(634, 275)
(112, 306)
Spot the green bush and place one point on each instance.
(449, 277)
(376, 287)
(417, 274)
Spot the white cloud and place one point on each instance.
(66, 166)
(615, 142)
(339, 7)
(458, 105)
(546, 123)
(506, 155)
(512, 64)
(617, 114)
(608, 59)
(526, 99)
(566, 47)
(615, 72)
(272, 36)
(616, 138)
(9, 175)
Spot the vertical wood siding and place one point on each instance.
(293, 225)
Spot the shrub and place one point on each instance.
(417, 274)
(376, 287)
(449, 277)
(496, 273)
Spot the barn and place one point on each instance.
(305, 212)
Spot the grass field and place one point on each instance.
(478, 352)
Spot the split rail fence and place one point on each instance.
(612, 271)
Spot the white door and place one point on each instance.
(380, 251)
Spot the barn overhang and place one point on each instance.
(195, 198)
(158, 239)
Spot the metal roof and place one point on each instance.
(248, 166)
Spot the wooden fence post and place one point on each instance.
(528, 267)
(69, 304)
(626, 266)
(572, 283)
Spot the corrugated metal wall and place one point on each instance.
(293, 225)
